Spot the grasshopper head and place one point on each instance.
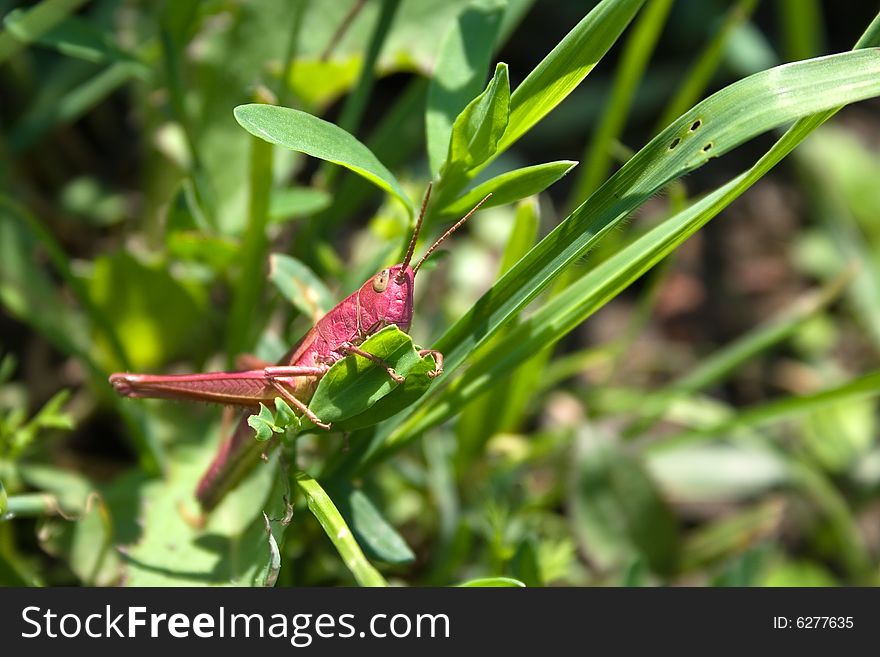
(387, 298)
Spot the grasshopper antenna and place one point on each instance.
(449, 232)
(412, 242)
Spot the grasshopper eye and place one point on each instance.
(380, 281)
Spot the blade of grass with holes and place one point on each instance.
(746, 108)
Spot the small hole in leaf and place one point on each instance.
(696, 125)
(675, 142)
(707, 147)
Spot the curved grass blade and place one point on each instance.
(566, 65)
(328, 515)
(511, 186)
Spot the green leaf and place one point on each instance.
(403, 396)
(354, 384)
(168, 546)
(478, 128)
(300, 286)
(493, 582)
(459, 73)
(799, 573)
(337, 531)
(263, 424)
(308, 134)
(567, 65)
(374, 533)
(284, 415)
(617, 509)
(511, 186)
(22, 27)
(218, 253)
(640, 43)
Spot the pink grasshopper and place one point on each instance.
(386, 298)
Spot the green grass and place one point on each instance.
(205, 180)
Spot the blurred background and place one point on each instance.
(124, 203)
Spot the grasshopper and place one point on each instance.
(386, 298)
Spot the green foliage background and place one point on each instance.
(184, 182)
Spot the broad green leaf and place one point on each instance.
(87, 545)
(172, 548)
(511, 186)
(373, 532)
(300, 286)
(317, 82)
(840, 436)
(478, 128)
(493, 582)
(459, 73)
(308, 134)
(337, 531)
(617, 509)
(4, 500)
(403, 396)
(354, 384)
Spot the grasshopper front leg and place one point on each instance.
(438, 361)
(277, 379)
(349, 348)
